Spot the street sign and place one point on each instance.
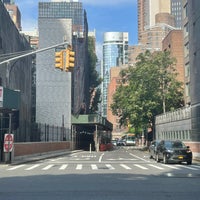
(8, 142)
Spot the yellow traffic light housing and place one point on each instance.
(70, 60)
(59, 58)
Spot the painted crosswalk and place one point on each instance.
(100, 166)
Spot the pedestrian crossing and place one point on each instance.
(100, 166)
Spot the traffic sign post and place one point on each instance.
(8, 147)
(8, 142)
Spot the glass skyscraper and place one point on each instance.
(58, 21)
(115, 53)
(64, 10)
(177, 12)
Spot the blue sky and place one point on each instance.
(103, 16)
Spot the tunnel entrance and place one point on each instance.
(86, 141)
(88, 130)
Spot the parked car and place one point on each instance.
(153, 148)
(121, 142)
(114, 142)
(173, 151)
(130, 142)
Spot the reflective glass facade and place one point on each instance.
(177, 12)
(115, 53)
(65, 10)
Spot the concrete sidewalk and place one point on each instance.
(37, 157)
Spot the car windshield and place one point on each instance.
(175, 144)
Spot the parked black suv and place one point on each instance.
(173, 151)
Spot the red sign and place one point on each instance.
(8, 142)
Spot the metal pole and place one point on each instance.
(33, 52)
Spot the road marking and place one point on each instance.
(187, 167)
(197, 166)
(100, 158)
(89, 156)
(125, 166)
(122, 159)
(79, 167)
(47, 167)
(53, 160)
(63, 167)
(139, 157)
(140, 166)
(157, 167)
(16, 167)
(94, 167)
(33, 167)
(172, 167)
(110, 167)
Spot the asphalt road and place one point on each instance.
(119, 174)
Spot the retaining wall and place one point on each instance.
(30, 148)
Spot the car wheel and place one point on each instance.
(157, 158)
(189, 162)
(165, 161)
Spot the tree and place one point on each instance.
(148, 89)
(94, 79)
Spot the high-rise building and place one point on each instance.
(177, 12)
(147, 10)
(16, 75)
(59, 21)
(186, 53)
(192, 12)
(13, 12)
(115, 53)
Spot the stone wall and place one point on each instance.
(24, 149)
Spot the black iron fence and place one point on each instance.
(36, 132)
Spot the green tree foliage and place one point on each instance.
(148, 89)
(94, 79)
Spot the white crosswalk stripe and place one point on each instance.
(16, 167)
(125, 166)
(63, 167)
(110, 167)
(172, 167)
(79, 167)
(187, 167)
(140, 166)
(94, 167)
(104, 166)
(47, 167)
(155, 166)
(32, 167)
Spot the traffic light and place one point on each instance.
(70, 60)
(59, 60)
